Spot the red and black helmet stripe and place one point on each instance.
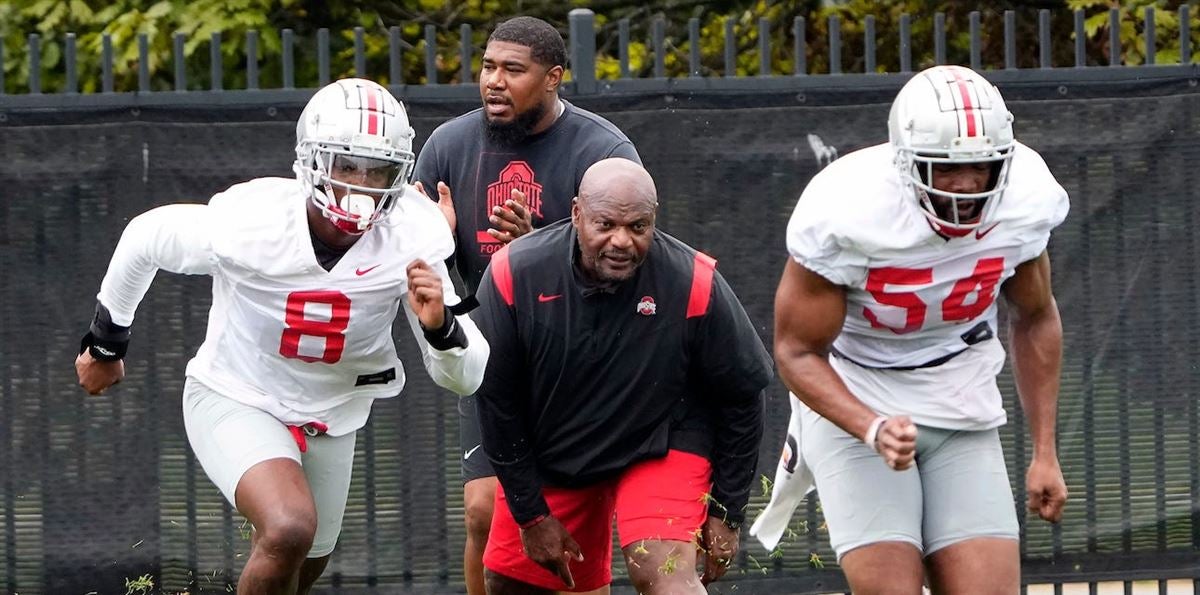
(373, 105)
(970, 119)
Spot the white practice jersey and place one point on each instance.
(285, 335)
(913, 295)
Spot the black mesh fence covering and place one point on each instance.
(98, 491)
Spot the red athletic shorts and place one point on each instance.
(658, 499)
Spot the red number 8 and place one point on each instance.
(331, 330)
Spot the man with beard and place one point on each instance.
(626, 382)
(498, 172)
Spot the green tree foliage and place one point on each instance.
(123, 21)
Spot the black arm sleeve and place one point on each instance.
(736, 369)
(502, 411)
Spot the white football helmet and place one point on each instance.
(354, 136)
(951, 115)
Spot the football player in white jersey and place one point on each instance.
(885, 329)
(308, 277)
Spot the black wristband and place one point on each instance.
(448, 336)
(103, 350)
(105, 340)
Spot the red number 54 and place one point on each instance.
(982, 283)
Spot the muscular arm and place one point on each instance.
(1036, 342)
(809, 313)
(172, 237)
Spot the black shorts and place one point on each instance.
(475, 463)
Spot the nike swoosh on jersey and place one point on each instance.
(980, 233)
(361, 272)
(548, 298)
(467, 455)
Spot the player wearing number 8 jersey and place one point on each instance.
(885, 331)
(308, 276)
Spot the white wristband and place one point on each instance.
(873, 432)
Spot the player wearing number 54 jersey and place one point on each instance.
(886, 333)
(308, 277)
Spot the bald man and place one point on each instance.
(626, 379)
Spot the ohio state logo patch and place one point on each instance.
(516, 175)
(520, 176)
(646, 307)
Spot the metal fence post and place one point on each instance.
(322, 57)
(143, 44)
(395, 74)
(466, 48)
(869, 45)
(1010, 40)
(1080, 38)
(730, 49)
(1114, 37)
(583, 49)
(764, 47)
(1185, 35)
(939, 38)
(106, 74)
(623, 50)
(177, 42)
(35, 64)
(973, 20)
(252, 59)
(289, 71)
(801, 47)
(1044, 38)
(72, 77)
(658, 35)
(835, 44)
(214, 54)
(694, 47)
(1151, 42)
(431, 71)
(360, 54)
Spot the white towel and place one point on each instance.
(793, 481)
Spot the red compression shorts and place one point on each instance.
(658, 499)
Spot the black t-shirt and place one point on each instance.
(583, 381)
(547, 167)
